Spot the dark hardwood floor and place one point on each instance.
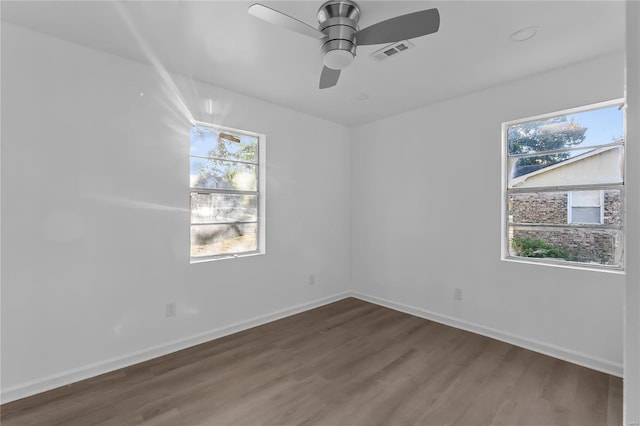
(347, 363)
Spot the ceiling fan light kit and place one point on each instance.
(340, 35)
(337, 57)
(338, 19)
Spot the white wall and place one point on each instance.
(426, 219)
(632, 295)
(95, 225)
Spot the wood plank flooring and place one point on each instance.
(347, 363)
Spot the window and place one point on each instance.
(564, 187)
(585, 207)
(227, 188)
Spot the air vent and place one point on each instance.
(391, 50)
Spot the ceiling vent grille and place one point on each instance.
(391, 50)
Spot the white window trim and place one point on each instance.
(504, 222)
(262, 191)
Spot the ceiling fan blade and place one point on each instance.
(329, 77)
(402, 27)
(278, 18)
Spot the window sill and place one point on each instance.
(566, 264)
(225, 257)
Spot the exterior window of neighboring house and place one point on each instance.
(227, 191)
(564, 187)
(585, 207)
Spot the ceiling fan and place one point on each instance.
(339, 33)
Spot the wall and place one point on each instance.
(411, 250)
(95, 225)
(632, 294)
(538, 207)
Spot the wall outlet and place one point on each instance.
(170, 310)
(457, 294)
(312, 279)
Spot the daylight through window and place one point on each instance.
(564, 187)
(226, 192)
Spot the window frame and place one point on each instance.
(260, 193)
(506, 191)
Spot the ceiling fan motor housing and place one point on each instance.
(339, 21)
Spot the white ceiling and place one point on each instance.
(220, 43)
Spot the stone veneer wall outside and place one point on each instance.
(584, 243)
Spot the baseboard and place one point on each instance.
(71, 376)
(565, 354)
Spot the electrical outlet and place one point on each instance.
(457, 294)
(170, 310)
(312, 279)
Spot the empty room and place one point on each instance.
(320, 213)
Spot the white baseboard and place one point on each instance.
(67, 377)
(565, 354)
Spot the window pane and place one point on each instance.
(585, 198)
(583, 167)
(208, 142)
(538, 207)
(577, 244)
(612, 207)
(223, 208)
(585, 215)
(218, 174)
(210, 240)
(551, 207)
(583, 129)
